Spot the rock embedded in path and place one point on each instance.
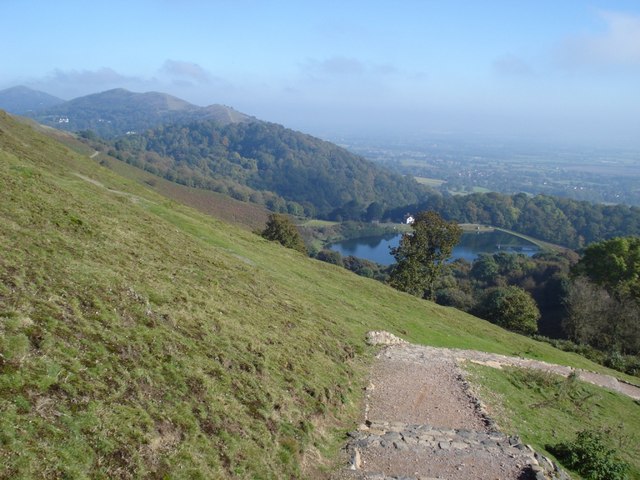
(384, 338)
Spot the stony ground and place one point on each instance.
(422, 422)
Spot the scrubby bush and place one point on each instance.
(590, 457)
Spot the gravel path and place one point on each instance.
(422, 422)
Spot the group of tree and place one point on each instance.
(543, 277)
(421, 263)
(563, 221)
(359, 266)
(593, 300)
(511, 290)
(256, 159)
(604, 297)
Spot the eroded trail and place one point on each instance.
(422, 422)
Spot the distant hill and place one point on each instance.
(223, 150)
(23, 100)
(266, 163)
(119, 111)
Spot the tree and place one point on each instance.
(603, 301)
(422, 254)
(375, 211)
(614, 265)
(281, 229)
(511, 308)
(595, 317)
(485, 268)
(330, 256)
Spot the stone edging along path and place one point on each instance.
(422, 422)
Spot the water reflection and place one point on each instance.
(471, 245)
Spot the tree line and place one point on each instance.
(563, 221)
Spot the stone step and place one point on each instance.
(406, 436)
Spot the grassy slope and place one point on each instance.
(545, 410)
(142, 338)
(223, 207)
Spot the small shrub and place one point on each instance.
(590, 457)
(616, 361)
(281, 229)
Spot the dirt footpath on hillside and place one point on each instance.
(422, 422)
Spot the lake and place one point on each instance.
(471, 245)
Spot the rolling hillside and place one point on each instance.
(118, 111)
(220, 149)
(141, 338)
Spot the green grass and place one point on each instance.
(430, 182)
(318, 223)
(546, 409)
(142, 338)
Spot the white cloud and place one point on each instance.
(102, 76)
(186, 71)
(73, 83)
(617, 46)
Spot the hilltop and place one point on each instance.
(141, 338)
(119, 111)
(22, 100)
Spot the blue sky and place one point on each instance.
(562, 70)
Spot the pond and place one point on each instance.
(471, 245)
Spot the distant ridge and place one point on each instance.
(22, 100)
(226, 151)
(119, 112)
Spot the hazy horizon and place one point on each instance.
(546, 71)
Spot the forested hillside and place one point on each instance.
(266, 163)
(558, 220)
(220, 149)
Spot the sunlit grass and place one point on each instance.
(546, 409)
(140, 337)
